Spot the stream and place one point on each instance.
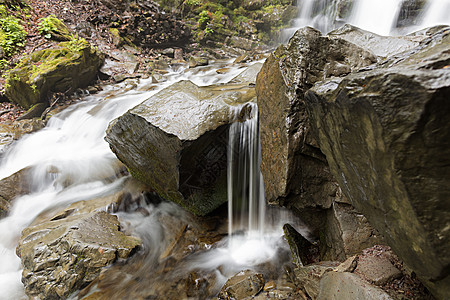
(70, 160)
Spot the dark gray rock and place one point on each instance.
(294, 169)
(176, 142)
(386, 136)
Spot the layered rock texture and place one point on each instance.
(176, 141)
(295, 171)
(11, 187)
(64, 250)
(370, 133)
(386, 136)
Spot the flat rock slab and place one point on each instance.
(378, 270)
(340, 286)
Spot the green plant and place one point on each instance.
(209, 30)
(46, 26)
(204, 18)
(12, 34)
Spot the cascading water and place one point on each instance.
(383, 17)
(246, 203)
(70, 161)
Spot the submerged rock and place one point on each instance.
(64, 68)
(65, 250)
(386, 136)
(176, 142)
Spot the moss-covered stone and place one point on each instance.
(63, 68)
(53, 28)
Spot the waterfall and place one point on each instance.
(384, 17)
(375, 16)
(246, 202)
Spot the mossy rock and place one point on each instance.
(53, 28)
(63, 68)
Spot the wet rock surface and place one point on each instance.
(242, 285)
(65, 249)
(11, 187)
(176, 141)
(295, 171)
(385, 135)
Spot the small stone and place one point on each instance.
(377, 269)
(270, 285)
(348, 265)
(223, 70)
(244, 284)
(178, 54)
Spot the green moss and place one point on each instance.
(51, 70)
(53, 28)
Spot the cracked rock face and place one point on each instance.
(65, 251)
(385, 133)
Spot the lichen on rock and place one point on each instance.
(63, 68)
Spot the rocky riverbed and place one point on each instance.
(118, 188)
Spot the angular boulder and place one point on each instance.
(176, 142)
(347, 233)
(66, 249)
(63, 68)
(294, 169)
(386, 136)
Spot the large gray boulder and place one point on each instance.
(176, 141)
(292, 165)
(295, 171)
(386, 136)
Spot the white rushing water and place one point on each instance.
(70, 160)
(380, 16)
